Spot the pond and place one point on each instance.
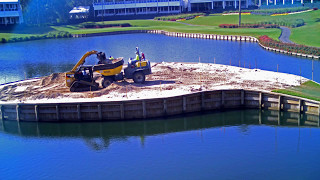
(246, 144)
(43, 57)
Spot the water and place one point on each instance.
(225, 145)
(39, 58)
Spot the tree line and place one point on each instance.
(40, 12)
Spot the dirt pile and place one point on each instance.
(168, 79)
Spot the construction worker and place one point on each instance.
(137, 54)
(142, 56)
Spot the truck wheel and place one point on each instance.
(139, 77)
(107, 81)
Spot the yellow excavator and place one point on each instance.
(80, 78)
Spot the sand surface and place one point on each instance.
(168, 79)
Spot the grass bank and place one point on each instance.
(309, 90)
(308, 35)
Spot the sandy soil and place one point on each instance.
(168, 79)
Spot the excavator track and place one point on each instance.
(80, 86)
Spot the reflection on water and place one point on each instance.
(245, 144)
(44, 69)
(98, 135)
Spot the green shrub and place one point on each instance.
(267, 41)
(180, 16)
(272, 11)
(285, 22)
(3, 40)
(26, 38)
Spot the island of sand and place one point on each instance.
(166, 80)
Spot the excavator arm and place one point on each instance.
(70, 76)
(83, 59)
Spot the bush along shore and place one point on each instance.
(179, 17)
(249, 26)
(273, 11)
(267, 24)
(92, 25)
(291, 48)
(50, 35)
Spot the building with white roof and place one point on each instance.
(209, 5)
(136, 7)
(10, 12)
(80, 12)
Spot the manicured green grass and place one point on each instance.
(309, 34)
(309, 90)
(175, 27)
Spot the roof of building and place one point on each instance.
(80, 9)
(5, 1)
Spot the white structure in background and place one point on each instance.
(10, 12)
(80, 12)
(136, 7)
(275, 2)
(208, 5)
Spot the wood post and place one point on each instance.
(202, 101)
(122, 111)
(57, 113)
(242, 98)
(2, 112)
(164, 106)
(279, 103)
(18, 112)
(260, 100)
(300, 106)
(36, 112)
(99, 112)
(79, 112)
(144, 110)
(184, 104)
(222, 99)
(260, 117)
(319, 115)
(279, 117)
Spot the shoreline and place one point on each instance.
(168, 79)
(172, 89)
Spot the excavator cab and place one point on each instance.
(84, 80)
(84, 73)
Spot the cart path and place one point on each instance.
(285, 34)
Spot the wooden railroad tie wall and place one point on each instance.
(149, 108)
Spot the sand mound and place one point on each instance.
(55, 78)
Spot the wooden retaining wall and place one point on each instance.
(159, 107)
